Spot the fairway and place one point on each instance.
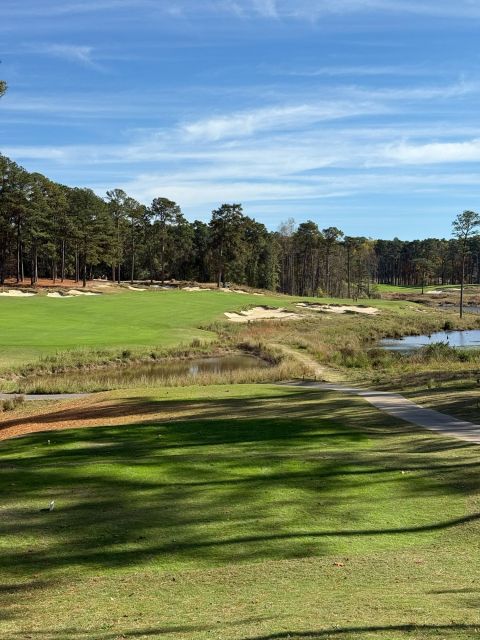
(36, 326)
(238, 512)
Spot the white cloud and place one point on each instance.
(434, 152)
(248, 123)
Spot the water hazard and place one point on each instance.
(462, 339)
(134, 374)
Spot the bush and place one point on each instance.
(12, 403)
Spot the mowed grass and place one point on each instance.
(38, 326)
(272, 512)
(32, 328)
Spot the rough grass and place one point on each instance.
(272, 512)
(347, 342)
(106, 379)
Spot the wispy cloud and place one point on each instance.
(248, 123)
(354, 71)
(434, 152)
(75, 53)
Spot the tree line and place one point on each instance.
(49, 230)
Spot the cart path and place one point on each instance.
(391, 403)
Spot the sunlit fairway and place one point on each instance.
(36, 326)
(247, 511)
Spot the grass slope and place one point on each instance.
(271, 513)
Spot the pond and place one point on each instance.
(136, 374)
(467, 308)
(462, 339)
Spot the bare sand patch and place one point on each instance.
(76, 292)
(239, 291)
(340, 308)
(56, 294)
(193, 289)
(15, 293)
(262, 313)
(135, 288)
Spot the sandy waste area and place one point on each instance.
(341, 308)
(15, 293)
(261, 313)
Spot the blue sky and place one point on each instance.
(361, 114)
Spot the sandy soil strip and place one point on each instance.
(15, 293)
(135, 288)
(261, 313)
(340, 308)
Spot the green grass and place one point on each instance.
(275, 512)
(39, 326)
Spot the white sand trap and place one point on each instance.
(435, 292)
(15, 293)
(75, 292)
(239, 291)
(193, 289)
(261, 313)
(341, 308)
(55, 294)
(258, 294)
(135, 288)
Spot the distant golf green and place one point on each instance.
(31, 327)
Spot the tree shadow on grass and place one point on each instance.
(73, 633)
(351, 633)
(294, 401)
(216, 490)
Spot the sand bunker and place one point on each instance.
(340, 308)
(262, 313)
(135, 288)
(193, 289)
(55, 294)
(75, 292)
(15, 293)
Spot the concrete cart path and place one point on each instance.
(399, 407)
(392, 403)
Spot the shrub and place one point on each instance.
(10, 404)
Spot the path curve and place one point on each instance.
(391, 403)
(398, 406)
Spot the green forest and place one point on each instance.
(49, 230)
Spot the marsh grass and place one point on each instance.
(111, 378)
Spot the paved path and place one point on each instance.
(43, 396)
(399, 407)
(392, 403)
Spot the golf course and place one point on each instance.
(225, 507)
